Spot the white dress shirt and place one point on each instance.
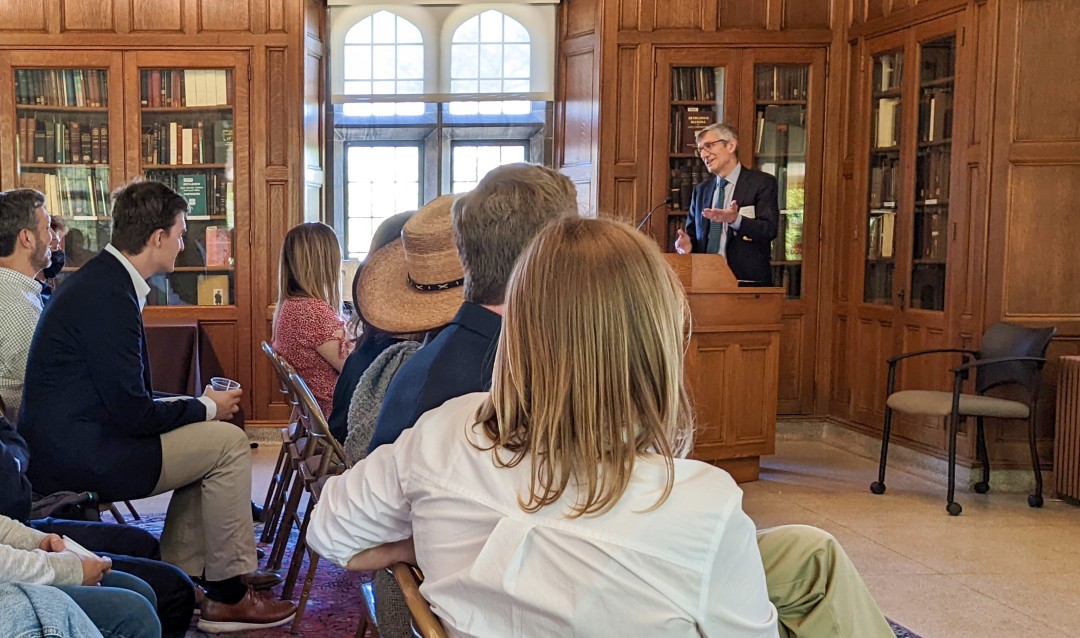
(688, 568)
(20, 307)
(141, 290)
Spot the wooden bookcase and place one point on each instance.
(224, 100)
(774, 99)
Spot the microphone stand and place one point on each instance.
(649, 215)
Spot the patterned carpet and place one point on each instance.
(333, 608)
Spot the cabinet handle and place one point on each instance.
(900, 296)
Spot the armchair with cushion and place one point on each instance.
(1008, 355)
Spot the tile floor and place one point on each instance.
(1000, 569)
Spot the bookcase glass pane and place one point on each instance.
(884, 179)
(186, 141)
(697, 100)
(933, 159)
(781, 92)
(62, 125)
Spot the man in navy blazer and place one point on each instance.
(492, 225)
(92, 423)
(739, 222)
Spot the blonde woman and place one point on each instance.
(559, 503)
(309, 330)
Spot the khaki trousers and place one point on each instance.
(815, 587)
(208, 528)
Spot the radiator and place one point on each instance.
(1067, 435)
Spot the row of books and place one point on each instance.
(884, 182)
(73, 191)
(886, 124)
(686, 123)
(186, 87)
(208, 194)
(888, 71)
(684, 176)
(696, 83)
(782, 82)
(935, 114)
(175, 143)
(62, 87)
(932, 173)
(56, 141)
(781, 130)
(881, 234)
(931, 233)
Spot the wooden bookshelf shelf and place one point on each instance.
(883, 150)
(937, 143)
(87, 218)
(929, 262)
(180, 167)
(931, 203)
(204, 269)
(203, 218)
(45, 165)
(62, 109)
(693, 102)
(886, 94)
(185, 109)
(942, 81)
(800, 102)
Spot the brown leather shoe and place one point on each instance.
(254, 611)
(262, 579)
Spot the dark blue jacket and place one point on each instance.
(15, 492)
(88, 411)
(355, 366)
(749, 249)
(456, 362)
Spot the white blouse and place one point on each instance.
(688, 568)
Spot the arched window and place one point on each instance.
(384, 55)
(490, 53)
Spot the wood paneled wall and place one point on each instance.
(1014, 245)
(284, 43)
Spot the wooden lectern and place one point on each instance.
(732, 364)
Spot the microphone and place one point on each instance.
(649, 215)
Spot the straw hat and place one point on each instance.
(415, 283)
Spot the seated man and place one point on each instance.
(25, 238)
(132, 550)
(108, 434)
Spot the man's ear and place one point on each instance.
(156, 238)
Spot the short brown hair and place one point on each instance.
(589, 366)
(496, 220)
(17, 209)
(141, 208)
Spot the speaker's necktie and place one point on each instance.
(717, 230)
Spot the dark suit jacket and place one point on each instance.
(456, 362)
(15, 492)
(88, 412)
(749, 248)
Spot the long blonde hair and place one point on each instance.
(589, 367)
(310, 265)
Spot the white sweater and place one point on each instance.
(21, 560)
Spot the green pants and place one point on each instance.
(815, 588)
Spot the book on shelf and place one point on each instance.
(223, 142)
(180, 88)
(218, 246)
(887, 122)
(61, 87)
(193, 189)
(213, 290)
(888, 227)
(689, 121)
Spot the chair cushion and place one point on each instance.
(940, 404)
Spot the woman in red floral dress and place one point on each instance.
(309, 330)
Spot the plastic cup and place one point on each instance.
(223, 384)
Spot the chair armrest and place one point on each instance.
(907, 355)
(983, 362)
(425, 620)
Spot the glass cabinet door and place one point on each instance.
(697, 100)
(932, 162)
(63, 138)
(781, 109)
(885, 178)
(186, 141)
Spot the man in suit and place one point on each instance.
(735, 214)
(92, 423)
